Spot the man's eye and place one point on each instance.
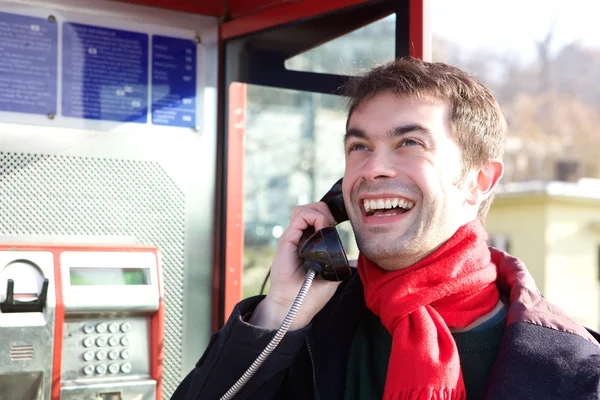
(357, 146)
(409, 142)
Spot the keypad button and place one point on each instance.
(101, 355)
(88, 369)
(124, 341)
(101, 369)
(88, 328)
(126, 368)
(101, 342)
(125, 327)
(113, 368)
(113, 328)
(88, 341)
(113, 354)
(101, 327)
(113, 341)
(88, 355)
(125, 354)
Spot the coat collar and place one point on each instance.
(526, 302)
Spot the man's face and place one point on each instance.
(400, 185)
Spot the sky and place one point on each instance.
(513, 26)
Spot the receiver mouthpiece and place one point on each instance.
(323, 252)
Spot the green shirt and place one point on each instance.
(370, 352)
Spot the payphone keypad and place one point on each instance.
(105, 348)
(100, 342)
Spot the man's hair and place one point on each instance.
(478, 124)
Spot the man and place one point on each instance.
(432, 313)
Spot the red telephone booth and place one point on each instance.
(188, 126)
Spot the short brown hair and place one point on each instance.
(478, 124)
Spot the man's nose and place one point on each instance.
(379, 165)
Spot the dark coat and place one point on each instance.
(544, 354)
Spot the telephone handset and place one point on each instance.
(323, 250)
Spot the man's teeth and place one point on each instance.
(381, 204)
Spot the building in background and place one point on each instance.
(554, 228)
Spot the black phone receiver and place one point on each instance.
(323, 250)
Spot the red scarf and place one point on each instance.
(451, 287)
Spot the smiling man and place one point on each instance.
(432, 313)
(400, 147)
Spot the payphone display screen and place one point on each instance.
(109, 276)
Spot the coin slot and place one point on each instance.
(109, 396)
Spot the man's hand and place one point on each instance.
(287, 274)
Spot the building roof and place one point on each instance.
(585, 188)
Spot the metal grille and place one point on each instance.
(21, 353)
(67, 195)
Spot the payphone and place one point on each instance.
(81, 322)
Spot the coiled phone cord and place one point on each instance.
(285, 326)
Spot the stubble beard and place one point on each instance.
(378, 244)
(393, 253)
(387, 251)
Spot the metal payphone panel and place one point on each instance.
(81, 322)
(87, 181)
(141, 390)
(27, 338)
(109, 343)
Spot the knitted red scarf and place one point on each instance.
(451, 287)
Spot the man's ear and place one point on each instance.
(484, 181)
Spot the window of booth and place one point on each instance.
(293, 144)
(363, 48)
(293, 155)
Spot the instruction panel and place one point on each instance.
(28, 64)
(173, 81)
(112, 71)
(105, 73)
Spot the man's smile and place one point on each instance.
(385, 208)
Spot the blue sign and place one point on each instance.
(28, 64)
(173, 81)
(105, 74)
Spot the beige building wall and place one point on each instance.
(556, 239)
(523, 222)
(572, 258)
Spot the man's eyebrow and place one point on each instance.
(404, 129)
(394, 132)
(354, 132)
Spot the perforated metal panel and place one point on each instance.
(87, 196)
